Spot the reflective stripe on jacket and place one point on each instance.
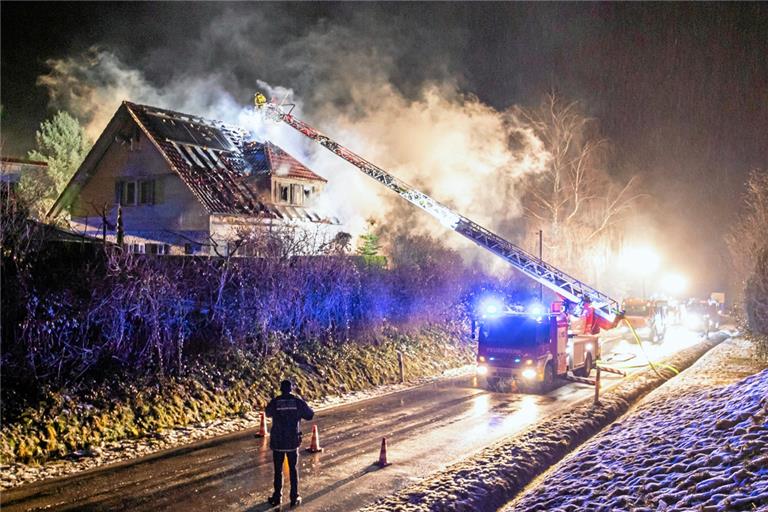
(286, 412)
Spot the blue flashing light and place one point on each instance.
(536, 309)
(490, 307)
(517, 359)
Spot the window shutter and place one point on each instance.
(118, 192)
(297, 194)
(158, 192)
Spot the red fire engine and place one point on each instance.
(532, 347)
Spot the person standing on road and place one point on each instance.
(286, 411)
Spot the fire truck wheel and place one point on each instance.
(548, 379)
(585, 370)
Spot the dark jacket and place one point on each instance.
(287, 411)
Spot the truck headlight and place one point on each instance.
(482, 369)
(529, 373)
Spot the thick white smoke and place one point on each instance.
(449, 144)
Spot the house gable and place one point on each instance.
(216, 163)
(134, 174)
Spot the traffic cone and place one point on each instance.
(262, 426)
(314, 445)
(383, 454)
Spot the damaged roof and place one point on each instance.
(216, 161)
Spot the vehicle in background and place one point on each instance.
(718, 297)
(702, 315)
(532, 348)
(647, 317)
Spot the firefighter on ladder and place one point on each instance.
(286, 411)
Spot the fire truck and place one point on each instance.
(532, 347)
(563, 339)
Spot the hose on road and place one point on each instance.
(642, 349)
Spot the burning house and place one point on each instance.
(170, 183)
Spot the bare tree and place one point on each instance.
(574, 200)
(748, 235)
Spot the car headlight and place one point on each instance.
(529, 373)
(482, 370)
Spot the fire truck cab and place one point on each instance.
(532, 348)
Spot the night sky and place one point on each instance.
(681, 90)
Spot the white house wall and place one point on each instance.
(177, 216)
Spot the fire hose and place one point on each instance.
(642, 349)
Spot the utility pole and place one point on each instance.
(541, 249)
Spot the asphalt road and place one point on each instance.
(427, 428)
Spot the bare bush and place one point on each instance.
(749, 259)
(747, 235)
(756, 304)
(126, 314)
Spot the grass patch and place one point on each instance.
(232, 383)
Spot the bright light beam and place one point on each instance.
(674, 284)
(641, 260)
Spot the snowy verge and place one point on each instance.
(696, 443)
(493, 476)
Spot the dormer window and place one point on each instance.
(296, 194)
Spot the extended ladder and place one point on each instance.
(554, 279)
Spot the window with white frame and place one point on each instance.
(136, 248)
(159, 249)
(136, 192)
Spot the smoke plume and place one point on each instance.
(448, 143)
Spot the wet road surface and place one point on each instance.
(427, 428)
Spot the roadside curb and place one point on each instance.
(495, 475)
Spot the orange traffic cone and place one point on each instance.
(314, 445)
(262, 426)
(383, 454)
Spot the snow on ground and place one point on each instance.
(700, 442)
(16, 474)
(493, 476)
